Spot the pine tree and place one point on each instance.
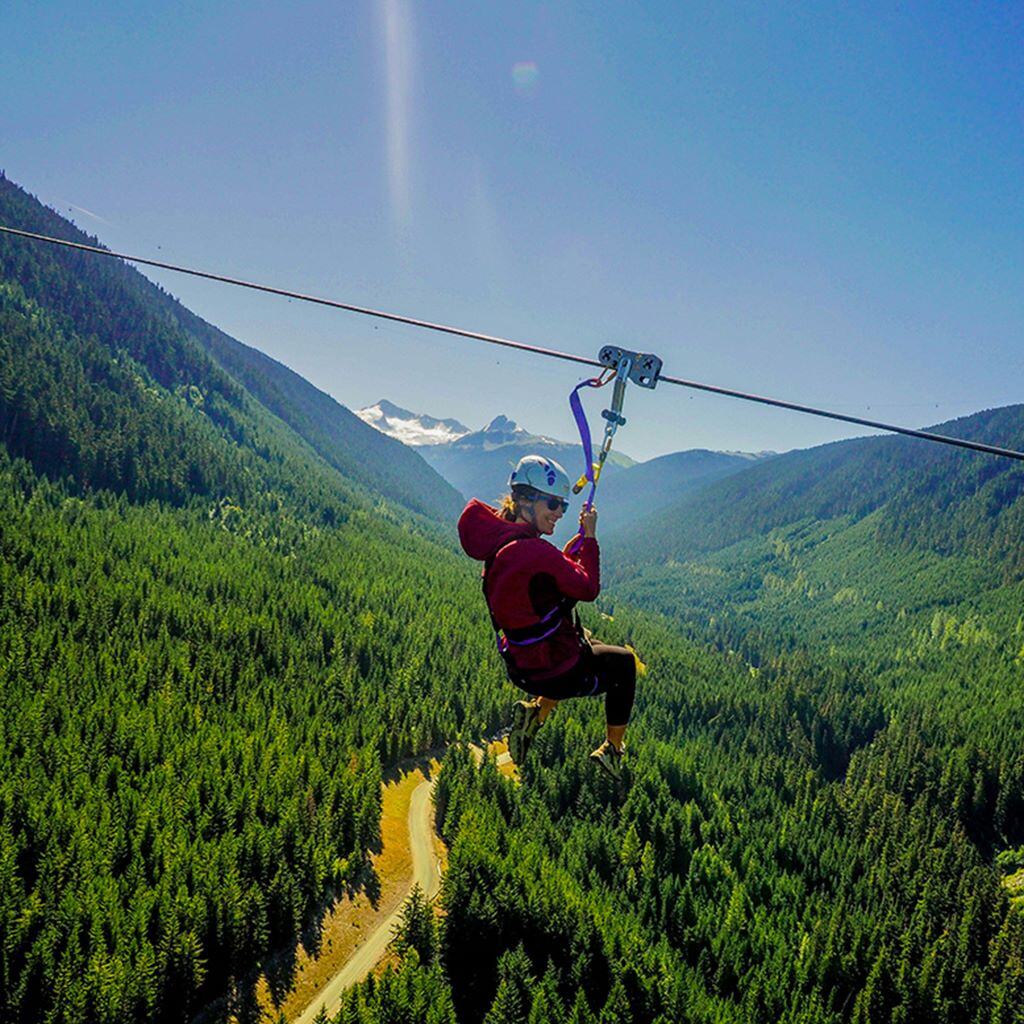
(581, 1012)
(616, 1009)
(512, 999)
(548, 1006)
(415, 929)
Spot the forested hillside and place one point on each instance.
(214, 638)
(795, 844)
(211, 639)
(660, 483)
(934, 497)
(862, 544)
(198, 703)
(120, 326)
(825, 823)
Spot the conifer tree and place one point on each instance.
(616, 1009)
(581, 1012)
(512, 999)
(415, 929)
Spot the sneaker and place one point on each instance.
(609, 759)
(525, 723)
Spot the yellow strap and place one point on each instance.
(583, 481)
(641, 668)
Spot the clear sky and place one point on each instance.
(818, 202)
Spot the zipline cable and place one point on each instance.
(333, 303)
(491, 339)
(976, 446)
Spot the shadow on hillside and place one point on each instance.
(244, 1008)
(280, 972)
(281, 969)
(426, 763)
(240, 1005)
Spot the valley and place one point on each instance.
(230, 609)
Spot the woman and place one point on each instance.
(531, 589)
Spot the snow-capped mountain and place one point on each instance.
(411, 428)
(476, 462)
(502, 431)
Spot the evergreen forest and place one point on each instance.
(228, 607)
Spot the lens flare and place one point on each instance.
(525, 77)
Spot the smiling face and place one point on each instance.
(537, 512)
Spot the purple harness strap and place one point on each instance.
(588, 449)
(504, 641)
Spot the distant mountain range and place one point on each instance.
(477, 463)
(414, 429)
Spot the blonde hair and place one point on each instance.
(508, 509)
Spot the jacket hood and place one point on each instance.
(483, 531)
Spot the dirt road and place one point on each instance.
(426, 874)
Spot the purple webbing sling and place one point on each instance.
(588, 449)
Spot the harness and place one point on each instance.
(526, 636)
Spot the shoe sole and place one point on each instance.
(518, 741)
(613, 773)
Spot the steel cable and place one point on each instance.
(491, 339)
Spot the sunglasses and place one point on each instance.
(552, 503)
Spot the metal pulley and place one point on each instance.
(640, 367)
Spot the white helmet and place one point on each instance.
(541, 474)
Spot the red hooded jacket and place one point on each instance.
(526, 580)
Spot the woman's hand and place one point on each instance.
(588, 520)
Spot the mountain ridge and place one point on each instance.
(938, 496)
(644, 489)
(118, 314)
(477, 463)
(413, 429)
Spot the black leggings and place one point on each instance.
(602, 669)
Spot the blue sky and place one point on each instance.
(822, 203)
